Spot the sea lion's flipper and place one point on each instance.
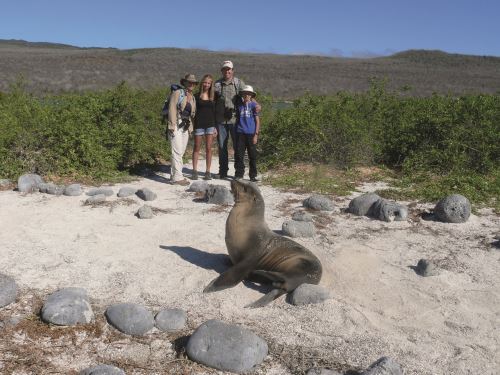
(269, 275)
(230, 278)
(269, 297)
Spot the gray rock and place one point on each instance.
(306, 294)
(73, 190)
(145, 212)
(8, 290)
(322, 371)
(93, 199)
(51, 189)
(426, 268)
(67, 307)
(226, 347)
(384, 366)
(126, 191)
(302, 216)
(146, 194)
(102, 370)
(389, 211)
(294, 228)
(198, 186)
(363, 204)
(170, 320)
(318, 203)
(218, 194)
(28, 183)
(130, 318)
(454, 208)
(5, 183)
(101, 190)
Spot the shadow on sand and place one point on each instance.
(216, 262)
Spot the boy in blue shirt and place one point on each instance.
(247, 134)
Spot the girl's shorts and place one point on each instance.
(206, 131)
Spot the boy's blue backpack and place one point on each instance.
(164, 110)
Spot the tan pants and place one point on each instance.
(178, 144)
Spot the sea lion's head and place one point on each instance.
(246, 192)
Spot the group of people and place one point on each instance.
(224, 109)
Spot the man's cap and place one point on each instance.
(227, 64)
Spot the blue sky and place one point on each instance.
(339, 28)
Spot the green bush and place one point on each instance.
(439, 134)
(96, 135)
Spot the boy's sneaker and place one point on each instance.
(208, 176)
(194, 176)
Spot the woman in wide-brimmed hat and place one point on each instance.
(181, 113)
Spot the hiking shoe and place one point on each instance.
(181, 182)
(254, 179)
(208, 176)
(237, 178)
(221, 176)
(194, 176)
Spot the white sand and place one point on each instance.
(446, 324)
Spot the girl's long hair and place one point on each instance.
(211, 90)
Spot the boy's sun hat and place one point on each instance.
(227, 64)
(189, 78)
(248, 89)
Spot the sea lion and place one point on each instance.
(259, 254)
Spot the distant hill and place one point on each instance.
(49, 67)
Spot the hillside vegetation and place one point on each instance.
(56, 68)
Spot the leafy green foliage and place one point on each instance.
(95, 135)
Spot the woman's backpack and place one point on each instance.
(164, 110)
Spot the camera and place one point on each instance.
(228, 114)
(185, 123)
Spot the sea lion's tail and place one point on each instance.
(268, 298)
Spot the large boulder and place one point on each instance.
(293, 228)
(146, 194)
(318, 203)
(126, 191)
(102, 370)
(73, 190)
(130, 318)
(454, 208)
(170, 320)
(302, 216)
(384, 366)
(8, 290)
(100, 190)
(51, 188)
(226, 347)
(218, 194)
(363, 204)
(28, 183)
(145, 212)
(389, 211)
(306, 294)
(426, 268)
(198, 186)
(67, 307)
